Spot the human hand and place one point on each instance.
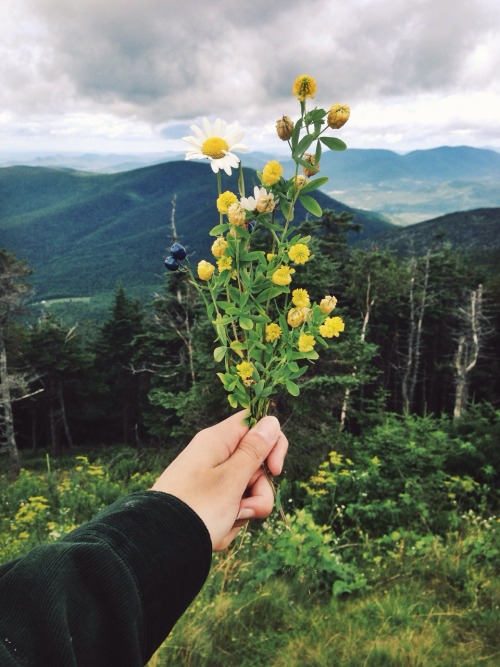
(220, 476)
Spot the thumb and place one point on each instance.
(253, 450)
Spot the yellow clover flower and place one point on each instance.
(271, 173)
(225, 200)
(306, 342)
(327, 304)
(338, 115)
(299, 253)
(273, 332)
(265, 203)
(245, 370)
(224, 263)
(283, 275)
(300, 298)
(236, 214)
(304, 86)
(332, 327)
(205, 270)
(219, 247)
(297, 316)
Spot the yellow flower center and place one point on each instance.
(215, 147)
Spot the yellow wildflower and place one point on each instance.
(205, 270)
(273, 332)
(306, 342)
(271, 173)
(225, 200)
(236, 214)
(332, 327)
(270, 256)
(338, 115)
(299, 253)
(304, 86)
(224, 263)
(283, 275)
(245, 370)
(327, 304)
(219, 247)
(300, 298)
(297, 316)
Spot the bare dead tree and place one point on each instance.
(418, 299)
(469, 340)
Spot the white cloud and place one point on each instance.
(95, 72)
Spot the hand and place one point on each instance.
(220, 476)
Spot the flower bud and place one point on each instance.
(300, 181)
(338, 115)
(284, 128)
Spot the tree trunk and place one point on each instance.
(62, 412)
(6, 405)
(468, 347)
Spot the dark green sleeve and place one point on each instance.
(109, 592)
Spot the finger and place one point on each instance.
(218, 442)
(260, 501)
(253, 450)
(276, 458)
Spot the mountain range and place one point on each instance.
(406, 188)
(82, 232)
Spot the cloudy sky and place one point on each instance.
(132, 75)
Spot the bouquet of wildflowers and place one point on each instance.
(267, 329)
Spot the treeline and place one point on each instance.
(421, 338)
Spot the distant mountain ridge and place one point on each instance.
(82, 233)
(407, 188)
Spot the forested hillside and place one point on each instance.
(83, 233)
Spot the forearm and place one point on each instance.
(110, 591)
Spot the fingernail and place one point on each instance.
(245, 513)
(268, 428)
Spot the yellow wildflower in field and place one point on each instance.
(219, 247)
(283, 275)
(225, 200)
(299, 253)
(273, 332)
(205, 270)
(331, 327)
(306, 342)
(245, 370)
(300, 298)
(224, 263)
(327, 304)
(271, 173)
(304, 86)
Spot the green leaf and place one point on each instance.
(233, 401)
(296, 133)
(333, 143)
(314, 184)
(246, 323)
(311, 205)
(285, 206)
(302, 146)
(219, 229)
(292, 388)
(220, 353)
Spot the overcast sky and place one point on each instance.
(132, 75)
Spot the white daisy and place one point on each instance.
(215, 142)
